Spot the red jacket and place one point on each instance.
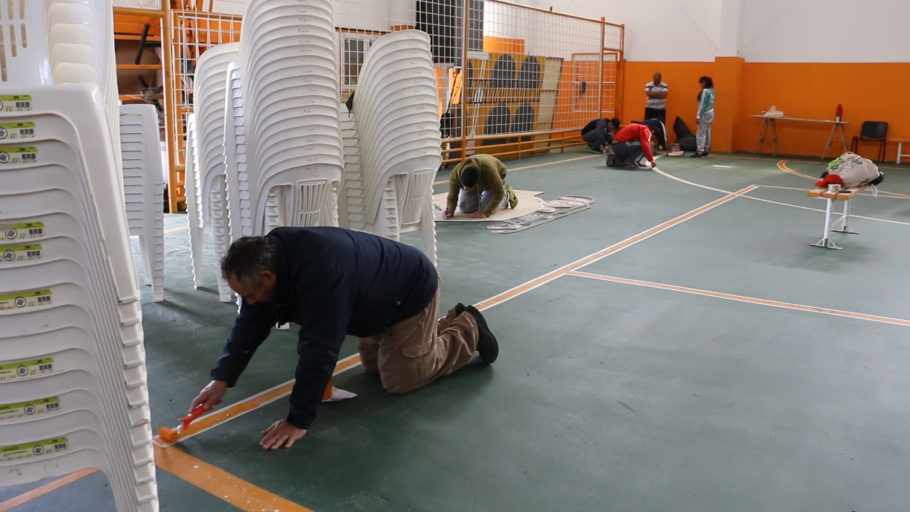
(630, 132)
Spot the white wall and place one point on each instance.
(658, 30)
(826, 31)
(770, 31)
(700, 30)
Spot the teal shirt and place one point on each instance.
(706, 101)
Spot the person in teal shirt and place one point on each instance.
(704, 117)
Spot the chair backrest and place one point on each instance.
(874, 130)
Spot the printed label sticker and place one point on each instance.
(18, 155)
(23, 231)
(15, 103)
(22, 369)
(31, 408)
(10, 253)
(36, 449)
(17, 131)
(23, 300)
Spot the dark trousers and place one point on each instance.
(627, 153)
(658, 113)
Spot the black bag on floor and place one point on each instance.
(684, 136)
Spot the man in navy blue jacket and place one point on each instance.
(334, 282)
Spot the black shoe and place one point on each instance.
(486, 342)
(695, 155)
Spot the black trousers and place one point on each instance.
(659, 113)
(627, 153)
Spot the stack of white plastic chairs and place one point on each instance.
(81, 50)
(209, 206)
(397, 118)
(143, 185)
(350, 199)
(289, 80)
(235, 158)
(73, 387)
(192, 201)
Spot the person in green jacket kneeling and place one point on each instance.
(477, 187)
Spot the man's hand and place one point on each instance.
(478, 215)
(447, 214)
(210, 395)
(280, 433)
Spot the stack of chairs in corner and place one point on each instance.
(209, 175)
(192, 199)
(73, 383)
(143, 185)
(350, 198)
(397, 117)
(235, 160)
(289, 79)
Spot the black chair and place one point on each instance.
(872, 131)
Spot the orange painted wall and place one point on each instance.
(875, 91)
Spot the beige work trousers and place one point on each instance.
(420, 349)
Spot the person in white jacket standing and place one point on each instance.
(704, 117)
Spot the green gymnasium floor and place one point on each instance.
(678, 346)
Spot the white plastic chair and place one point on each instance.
(144, 175)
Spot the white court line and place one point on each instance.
(763, 200)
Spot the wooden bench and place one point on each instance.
(844, 195)
(900, 148)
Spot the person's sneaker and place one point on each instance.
(513, 197)
(487, 345)
(611, 160)
(696, 155)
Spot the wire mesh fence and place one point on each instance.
(512, 80)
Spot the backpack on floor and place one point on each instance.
(684, 136)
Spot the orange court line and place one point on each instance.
(743, 298)
(252, 403)
(782, 165)
(220, 483)
(208, 478)
(591, 258)
(44, 489)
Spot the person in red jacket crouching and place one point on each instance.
(631, 144)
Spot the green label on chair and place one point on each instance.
(22, 369)
(30, 408)
(17, 131)
(37, 449)
(15, 103)
(9, 253)
(22, 231)
(23, 300)
(18, 154)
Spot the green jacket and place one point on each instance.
(492, 172)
